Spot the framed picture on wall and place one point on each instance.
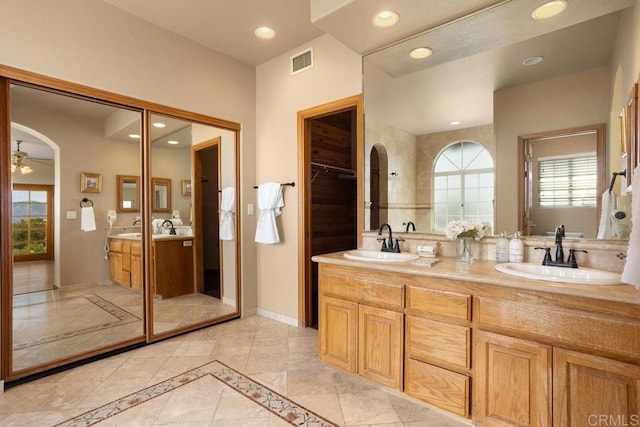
(186, 187)
(90, 182)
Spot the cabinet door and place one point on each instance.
(590, 390)
(136, 272)
(115, 267)
(337, 332)
(380, 334)
(512, 382)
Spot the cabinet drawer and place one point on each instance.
(364, 290)
(437, 342)
(613, 335)
(427, 302)
(115, 245)
(445, 389)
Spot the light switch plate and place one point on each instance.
(71, 215)
(250, 209)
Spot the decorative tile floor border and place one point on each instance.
(121, 314)
(275, 403)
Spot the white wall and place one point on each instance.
(336, 74)
(98, 45)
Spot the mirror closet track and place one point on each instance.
(108, 245)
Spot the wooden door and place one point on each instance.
(337, 332)
(590, 390)
(512, 382)
(380, 334)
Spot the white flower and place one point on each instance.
(459, 229)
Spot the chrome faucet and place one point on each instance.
(410, 224)
(389, 246)
(560, 262)
(173, 230)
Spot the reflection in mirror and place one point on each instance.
(128, 193)
(194, 272)
(161, 197)
(483, 93)
(65, 301)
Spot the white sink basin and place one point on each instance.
(578, 276)
(378, 256)
(129, 235)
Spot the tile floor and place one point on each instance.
(281, 357)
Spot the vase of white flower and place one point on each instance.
(466, 235)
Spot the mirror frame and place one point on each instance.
(120, 181)
(160, 182)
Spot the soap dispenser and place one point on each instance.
(516, 248)
(502, 247)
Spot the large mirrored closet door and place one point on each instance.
(193, 171)
(118, 225)
(66, 300)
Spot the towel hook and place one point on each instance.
(85, 200)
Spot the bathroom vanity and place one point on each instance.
(171, 264)
(482, 345)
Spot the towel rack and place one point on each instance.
(613, 178)
(290, 184)
(85, 200)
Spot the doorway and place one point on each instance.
(330, 143)
(564, 178)
(207, 204)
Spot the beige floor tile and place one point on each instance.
(234, 406)
(369, 407)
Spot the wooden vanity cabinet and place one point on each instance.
(125, 262)
(172, 265)
(361, 325)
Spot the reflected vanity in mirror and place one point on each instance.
(161, 198)
(492, 91)
(128, 193)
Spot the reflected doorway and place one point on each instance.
(210, 231)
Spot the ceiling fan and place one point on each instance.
(18, 159)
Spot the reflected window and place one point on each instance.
(32, 219)
(568, 181)
(463, 185)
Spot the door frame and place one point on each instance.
(524, 175)
(304, 191)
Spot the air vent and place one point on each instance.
(302, 61)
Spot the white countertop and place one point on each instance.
(484, 272)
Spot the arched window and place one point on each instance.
(463, 182)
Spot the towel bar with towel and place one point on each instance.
(613, 178)
(85, 200)
(290, 184)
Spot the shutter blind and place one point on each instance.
(567, 181)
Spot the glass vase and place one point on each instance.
(465, 249)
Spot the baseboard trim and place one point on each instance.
(278, 317)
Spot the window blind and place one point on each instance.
(567, 181)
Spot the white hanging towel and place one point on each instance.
(87, 219)
(270, 202)
(226, 213)
(631, 272)
(605, 229)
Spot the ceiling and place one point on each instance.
(227, 27)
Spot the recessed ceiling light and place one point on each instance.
(454, 123)
(549, 9)
(533, 60)
(173, 142)
(264, 33)
(386, 18)
(420, 53)
(159, 125)
(134, 136)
